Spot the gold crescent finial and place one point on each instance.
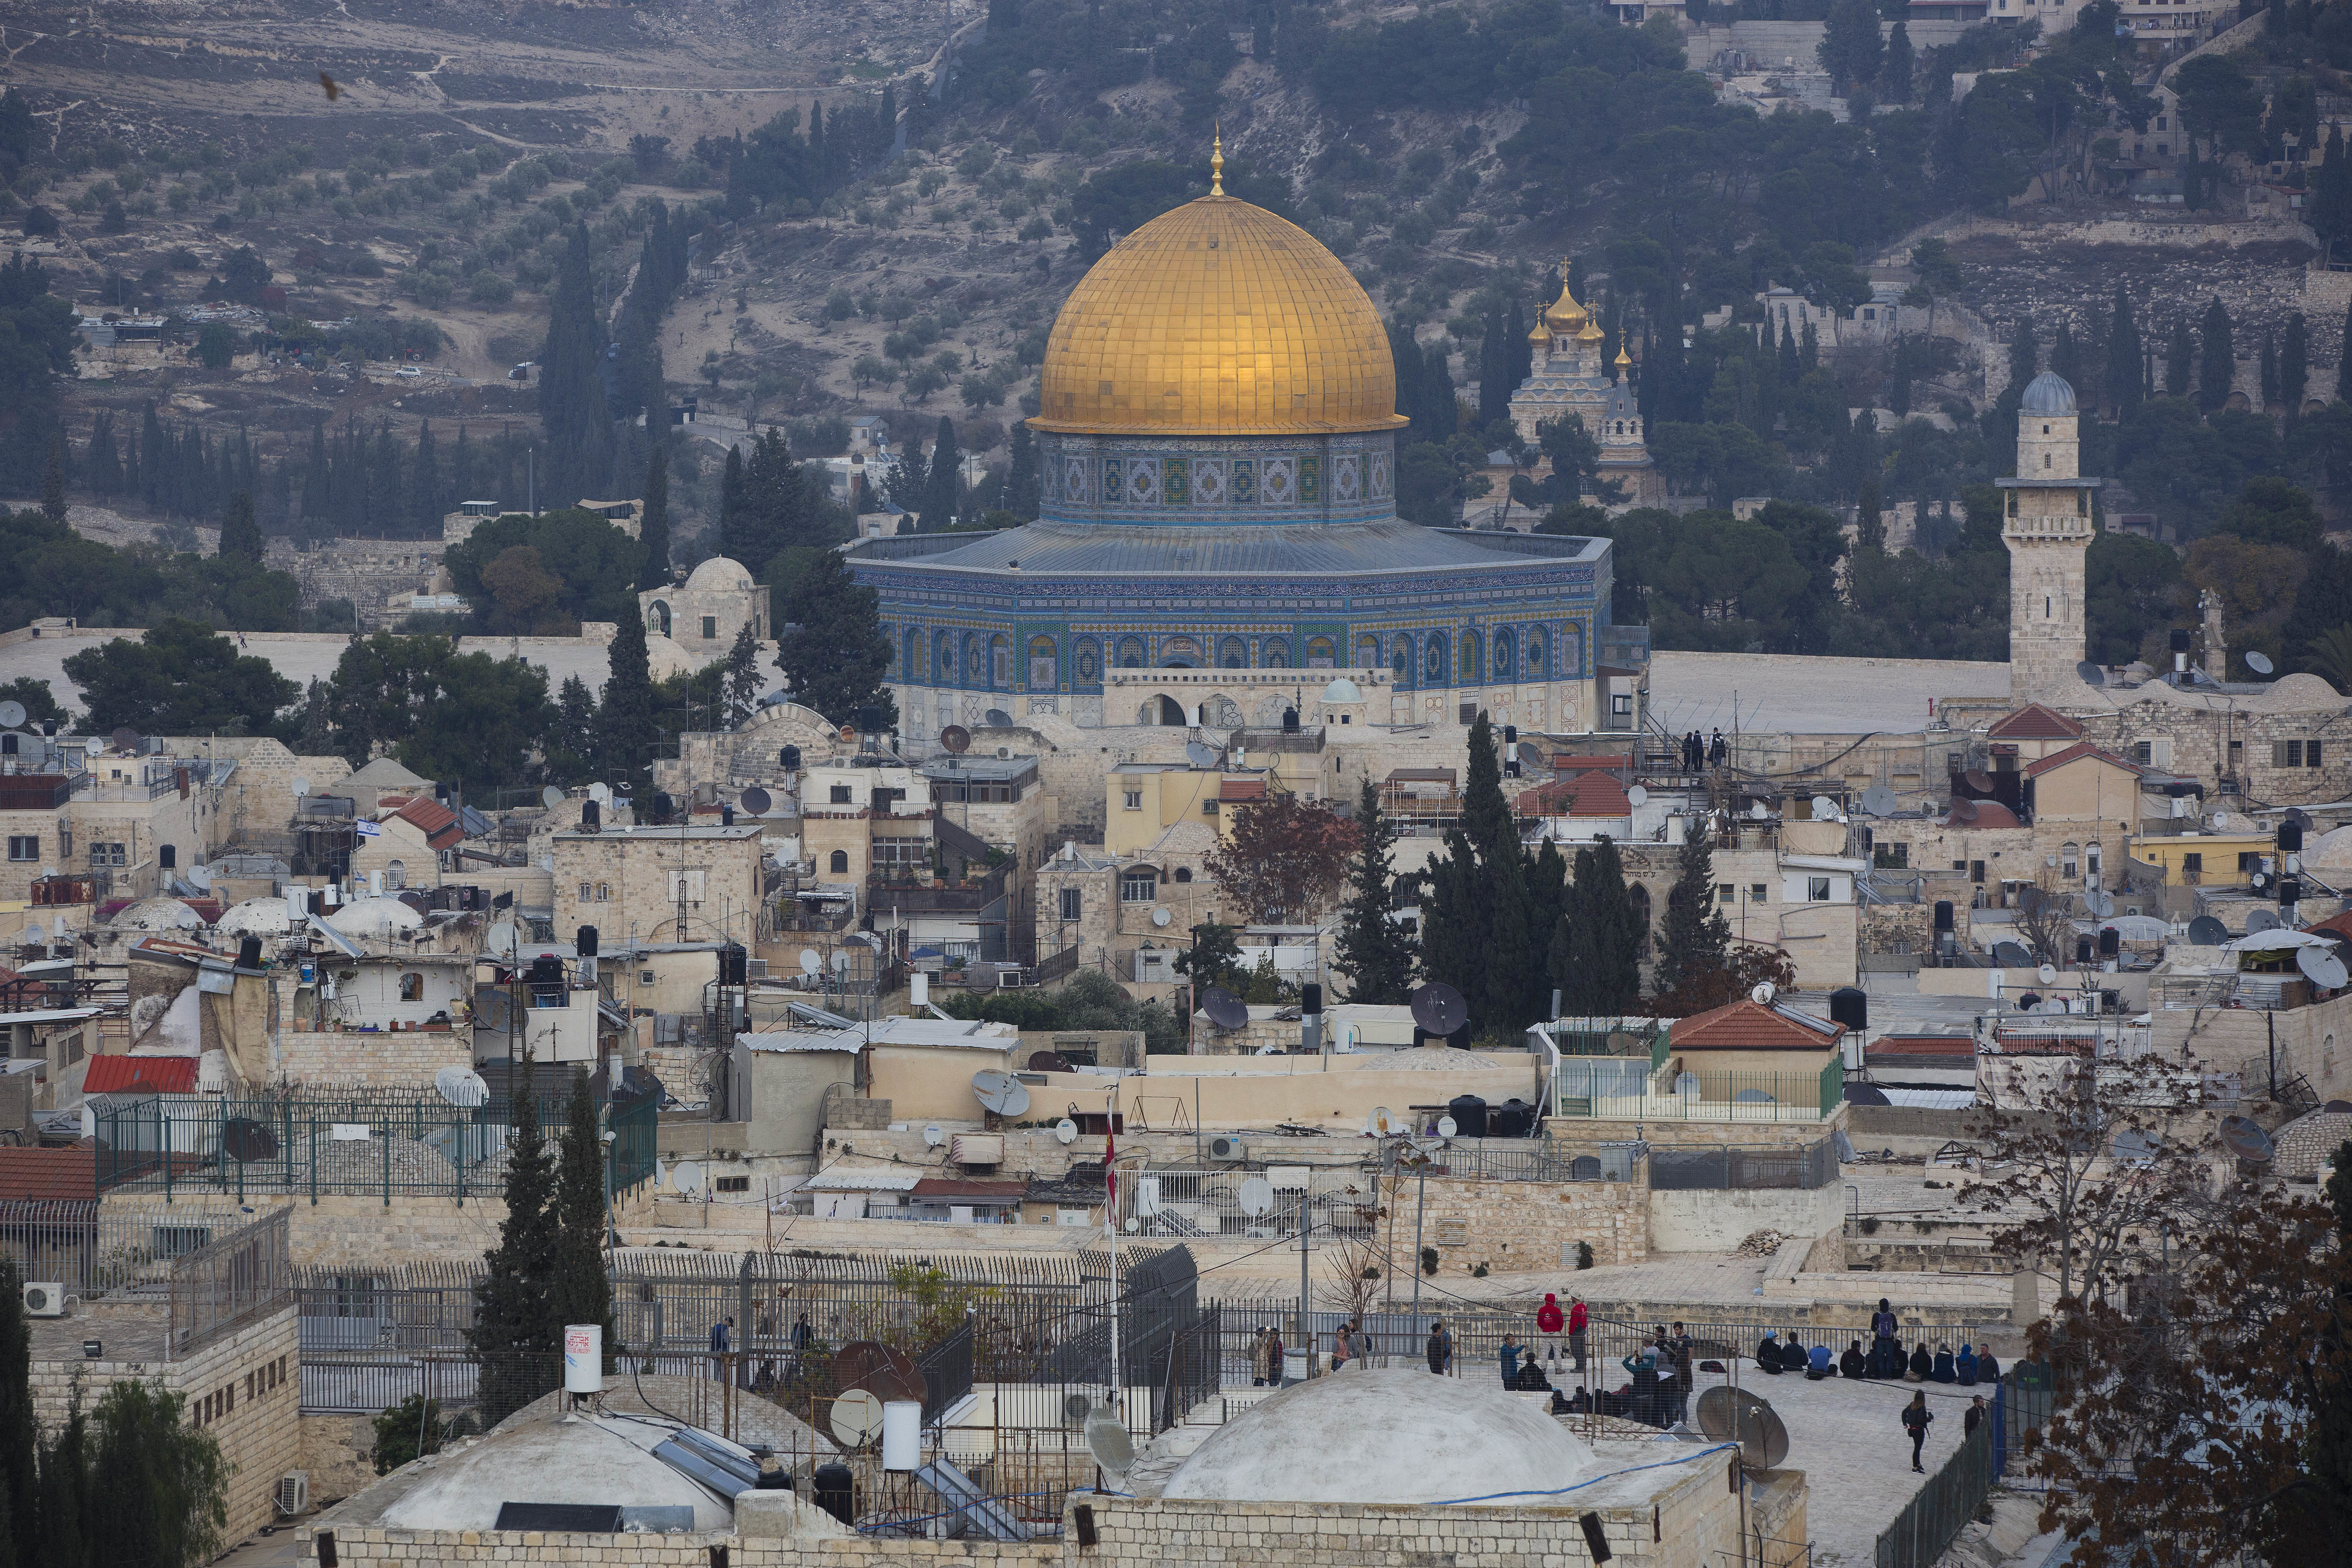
(1217, 161)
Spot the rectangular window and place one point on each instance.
(840, 796)
(1135, 800)
(603, 892)
(586, 892)
(1976, 871)
(731, 1184)
(1141, 887)
(1621, 704)
(1758, 893)
(2143, 751)
(2192, 866)
(2287, 753)
(1208, 808)
(2237, 755)
(1724, 892)
(1817, 889)
(2311, 753)
(24, 846)
(710, 628)
(1070, 902)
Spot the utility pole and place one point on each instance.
(1305, 1333)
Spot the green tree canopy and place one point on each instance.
(594, 565)
(180, 679)
(832, 650)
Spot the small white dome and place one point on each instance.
(374, 917)
(255, 917)
(720, 573)
(1343, 691)
(158, 914)
(1389, 1435)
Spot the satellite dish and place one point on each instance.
(1763, 994)
(841, 961)
(1824, 808)
(200, 878)
(1224, 1009)
(501, 940)
(11, 714)
(810, 962)
(757, 801)
(1637, 796)
(601, 794)
(2010, 954)
(94, 746)
(956, 738)
(997, 718)
(1447, 1127)
(494, 1011)
(1108, 1441)
(2047, 974)
(2102, 902)
(933, 1137)
(300, 785)
(856, 1418)
(1865, 1094)
(1000, 1092)
(1065, 1131)
(246, 1140)
(2261, 919)
(2322, 967)
(2240, 1135)
(2091, 673)
(686, 1176)
(1382, 1117)
(2260, 663)
(1977, 780)
(1439, 1009)
(461, 1086)
(124, 738)
(1728, 1414)
(1256, 1198)
(1160, 917)
(1963, 809)
(2207, 931)
(552, 797)
(1880, 801)
(1200, 753)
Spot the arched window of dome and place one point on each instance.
(1401, 660)
(913, 662)
(1178, 653)
(1045, 664)
(1087, 656)
(1571, 651)
(1321, 654)
(1130, 653)
(1503, 667)
(975, 660)
(1470, 663)
(1232, 653)
(657, 619)
(1274, 654)
(947, 658)
(839, 864)
(1367, 653)
(1000, 663)
(1535, 665)
(1438, 661)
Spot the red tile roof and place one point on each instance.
(1578, 795)
(2074, 752)
(2333, 925)
(1577, 765)
(436, 821)
(1241, 789)
(1755, 1026)
(49, 1175)
(157, 1075)
(2035, 723)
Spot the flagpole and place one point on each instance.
(1111, 1219)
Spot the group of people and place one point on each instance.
(1699, 753)
(1885, 1359)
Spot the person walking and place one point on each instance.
(1916, 1418)
(1509, 1352)
(721, 1334)
(1575, 1322)
(1441, 1348)
(1549, 1321)
(1977, 1411)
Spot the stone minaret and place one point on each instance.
(2048, 531)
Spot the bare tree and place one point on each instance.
(2045, 918)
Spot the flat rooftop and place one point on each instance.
(1808, 696)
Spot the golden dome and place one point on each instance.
(1539, 333)
(1592, 332)
(1623, 357)
(1565, 312)
(1217, 319)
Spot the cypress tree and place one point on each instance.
(731, 499)
(943, 490)
(152, 465)
(1895, 73)
(2123, 357)
(2294, 365)
(1596, 943)
(628, 728)
(53, 480)
(514, 1335)
(654, 531)
(1479, 919)
(1695, 938)
(2268, 369)
(1809, 348)
(317, 476)
(103, 462)
(2065, 361)
(425, 495)
(20, 1477)
(572, 404)
(1789, 362)
(240, 536)
(2024, 355)
(1374, 951)
(830, 645)
(578, 1291)
(1024, 481)
(2218, 367)
(2179, 360)
(65, 1503)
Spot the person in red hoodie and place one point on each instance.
(1549, 1320)
(1576, 1330)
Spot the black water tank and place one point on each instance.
(1469, 1113)
(547, 979)
(1515, 1118)
(2082, 948)
(1290, 721)
(836, 1492)
(2290, 837)
(591, 815)
(1943, 914)
(584, 941)
(726, 817)
(1850, 1005)
(664, 807)
(2290, 890)
(790, 758)
(248, 953)
(1310, 999)
(2111, 941)
(2179, 639)
(732, 969)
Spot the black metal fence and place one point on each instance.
(230, 1282)
(1950, 1499)
(1729, 1168)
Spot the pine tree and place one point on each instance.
(515, 1336)
(2123, 357)
(942, 494)
(578, 1290)
(572, 404)
(240, 536)
(1695, 938)
(2179, 360)
(2294, 365)
(654, 533)
(740, 685)
(2218, 367)
(628, 728)
(1374, 951)
(831, 647)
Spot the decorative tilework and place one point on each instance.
(1345, 468)
(1279, 485)
(1310, 481)
(1176, 481)
(1143, 481)
(1114, 485)
(1074, 481)
(1209, 481)
(1380, 484)
(1244, 481)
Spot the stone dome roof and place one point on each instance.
(374, 917)
(1218, 318)
(255, 917)
(599, 1460)
(157, 914)
(2048, 394)
(1343, 691)
(1387, 1436)
(719, 572)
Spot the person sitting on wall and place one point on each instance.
(1922, 1367)
(1941, 1369)
(1853, 1363)
(1768, 1353)
(1964, 1367)
(1818, 1364)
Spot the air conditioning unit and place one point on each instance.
(44, 1299)
(294, 1493)
(1011, 979)
(1228, 1149)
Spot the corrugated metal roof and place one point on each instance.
(855, 1180)
(1272, 549)
(950, 1187)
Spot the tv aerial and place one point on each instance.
(247, 1141)
(601, 794)
(686, 1177)
(12, 715)
(2244, 1138)
(461, 1086)
(2010, 954)
(2322, 967)
(1963, 809)
(1077, 1407)
(2102, 902)
(124, 738)
(997, 718)
(841, 961)
(955, 738)
(1447, 1127)
(1439, 1009)
(2260, 663)
(758, 800)
(1161, 917)
(1000, 1092)
(933, 1136)
(1224, 1009)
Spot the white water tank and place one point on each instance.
(902, 1434)
(583, 1358)
(918, 989)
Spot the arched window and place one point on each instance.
(1178, 653)
(1000, 663)
(946, 644)
(839, 864)
(1535, 666)
(2070, 857)
(913, 664)
(1504, 670)
(1367, 653)
(1130, 653)
(1320, 654)
(1045, 664)
(1438, 661)
(1401, 660)
(657, 619)
(1184, 874)
(1571, 652)
(412, 987)
(396, 873)
(1088, 658)
(975, 660)
(1274, 654)
(1470, 664)
(1232, 653)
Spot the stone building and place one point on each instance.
(681, 884)
(703, 613)
(1570, 378)
(2048, 532)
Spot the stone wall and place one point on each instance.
(1718, 1221)
(367, 1234)
(367, 572)
(1911, 928)
(1517, 1226)
(339, 1452)
(403, 1059)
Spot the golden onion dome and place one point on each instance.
(1217, 319)
(1623, 357)
(1539, 333)
(1565, 312)
(1592, 332)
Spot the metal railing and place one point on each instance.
(1523, 1160)
(1184, 1202)
(94, 1250)
(1730, 1168)
(1625, 1090)
(231, 1282)
(1930, 1520)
